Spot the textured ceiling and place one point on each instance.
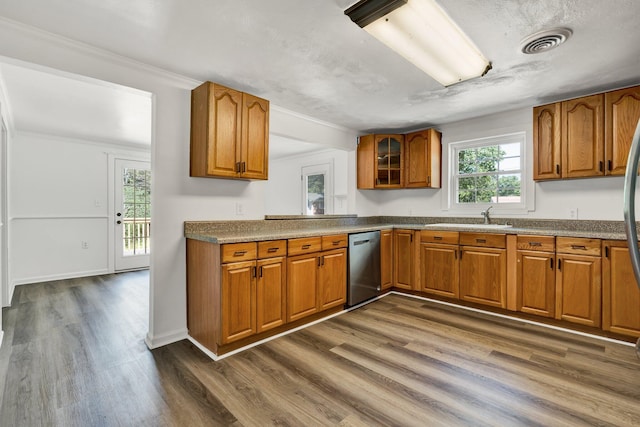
(307, 56)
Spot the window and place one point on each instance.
(317, 189)
(488, 171)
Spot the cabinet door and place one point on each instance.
(332, 279)
(439, 269)
(578, 289)
(390, 162)
(386, 259)
(422, 159)
(366, 162)
(546, 141)
(254, 147)
(302, 286)
(583, 137)
(620, 293)
(403, 259)
(622, 112)
(536, 283)
(271, 294)
(483, 275)
(238, 301)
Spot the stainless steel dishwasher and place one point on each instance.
(364, 267)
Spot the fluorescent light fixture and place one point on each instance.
(425, 35)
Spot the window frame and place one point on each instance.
(526, 191)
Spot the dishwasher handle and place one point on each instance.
(361, 242)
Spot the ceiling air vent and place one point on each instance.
(544, 40)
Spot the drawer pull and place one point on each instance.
(271, 250)
(239, 253)
(582, 247)
(437, 237)
(535, 244)
(306, 246)
(336, 242)
(481, 240)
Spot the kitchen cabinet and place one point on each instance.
(316, 279)
(483, 268)
(229, 133)
(423, 152)
(238, 301)
(404, 256)
(536, 275)
(546, 142)
(439, 263)
(622, 112)
(578, 280)
(620, 293)
(271, 289)
(386, 259)
(582, 136)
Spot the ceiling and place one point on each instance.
(307, 56)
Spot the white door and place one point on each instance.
(133, 214)
(317, 189)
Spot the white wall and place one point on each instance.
(59, 197)
(283, 192)
(176, 197)
(595, 198)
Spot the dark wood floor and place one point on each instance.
(74, 355)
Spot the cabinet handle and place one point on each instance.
(271, 250)
(601, 166)
(557, 169)
(606, 251)
(239, 253)
(429, 180)
(238, 167)
(461, 252)
(455, 254)
(481, 240)
(559, 265)
(244, 167)
(535, 244)
(253, 273)
(260, 272)
(581, 247)
(551, 263)
(609, 165)
(319, 261)
(437, 237)
(336, 242)
(306, 246)
(411, 238)
(322, 257)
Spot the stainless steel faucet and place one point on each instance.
(485, 214)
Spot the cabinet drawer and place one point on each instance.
(334, 241)
(486, 240)
(448, 237)
(536, 243)
(272, 248)
(304, 245)
(233, 252)
(578, 246)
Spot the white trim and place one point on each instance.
(154, 342)
(51, 277)
(504, 316)
(105, 143)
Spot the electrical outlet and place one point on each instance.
(573, 213)
(85, 245)
(239, 208)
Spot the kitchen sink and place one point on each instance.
(474, 226)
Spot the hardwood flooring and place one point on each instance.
(73, 355)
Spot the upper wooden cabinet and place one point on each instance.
(422, 159)
(229, 133)
(400, 161)
(622, 112)
(585, 137)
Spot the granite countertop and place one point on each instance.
(260, 230)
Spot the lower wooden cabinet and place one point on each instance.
(238, 301)
(439, 269)
(483, 275)
(386, 259)
(332, 279)
(403, 265)
(578, 281)
(271, 292)
(620, 293)
(536, 275)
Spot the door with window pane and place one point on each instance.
(133, 214)
(317, 189)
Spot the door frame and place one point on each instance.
(111, 201)
(325, 168)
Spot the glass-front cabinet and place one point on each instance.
(390, 163)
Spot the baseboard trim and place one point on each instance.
(49, 278)
(154, 342)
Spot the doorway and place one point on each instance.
(132, 214)
(317, 189)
